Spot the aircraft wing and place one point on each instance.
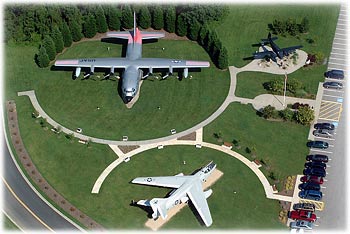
(170, 63)
(93, 62)
(261, 55)
(162, 181)
(198, 199)
(288, 50)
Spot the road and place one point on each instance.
(24, 206)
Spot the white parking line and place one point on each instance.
(323, 187)
(330, 145)
(343, 34)
(336, 63)
(337, 53)
(330, 68)
(339, 59)
(325, 138)
(327, 95)
(336, 43)
(341, 23)
(322, 151)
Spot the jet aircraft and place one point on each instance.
(276, 51)
(132, 63)
(185, 187)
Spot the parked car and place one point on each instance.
(304, 206)
(310, 178)
(315, 172)
(328, 126)
(301, 224)
(323, 133)
(317, 144)
(334, 74)
(309, 186)
(332, 85)
(311, 194)
(303, 215)
(315, 164)
(317, 157)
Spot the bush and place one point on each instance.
(305, 115)
(293, 85)
(286, 114)
(268, 111)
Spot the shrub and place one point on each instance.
(267, 111)
(305, 115)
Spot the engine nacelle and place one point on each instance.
(208, 193)
(171, 70)
(112, 71)
(150, 70)
(92, 69)
(77, 71)
(186, 72)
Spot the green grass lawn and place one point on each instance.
(247, 24)
(73, 103)
(309, 77)
(282, 145)
(73, 168)
(8, 224)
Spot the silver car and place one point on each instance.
(323, 133)
(301, 224)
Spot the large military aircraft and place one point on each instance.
(276, 51)
(133, 62)
(185, 187)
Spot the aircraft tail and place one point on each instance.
(158, 206)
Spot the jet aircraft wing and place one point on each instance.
(198, 199)
(288, 50)
(93, 62)
(162, 181)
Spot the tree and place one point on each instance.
(319, 57)
(222, 58)
(170, 19)
(275, 86)
(293, 85)
(157, 17)
(127, 17)
(89, 27)
(193, 30)
(101, 24)
(144, 17)
(268, 111)
(66, 34)
(292, 26)
(305, 115)
(286, 114)
(304, 25)
(57, 39)
(41, 20)
(202, 35)
(75, 30)
(113, 18)
(181, 25)
(42, 58)
(49, 46)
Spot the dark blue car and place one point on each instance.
(334, 74)
(315, 172)
(318, 144)
(316, 165)
(309, 186)
(317, 157)
(310, 194)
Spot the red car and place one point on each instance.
(303, 215)
(314, 179)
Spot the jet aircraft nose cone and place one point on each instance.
(128, 99)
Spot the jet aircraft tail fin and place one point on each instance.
(158, 206)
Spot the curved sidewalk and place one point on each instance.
(267, 187)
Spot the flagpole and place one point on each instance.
(285, 88)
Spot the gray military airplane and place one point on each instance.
(185, 187)
(276, 51)
(132, 63)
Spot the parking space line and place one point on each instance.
(336, 63)
(337, 53)
(325, 138)
(336, 43)
(322, 151)
(337, 58)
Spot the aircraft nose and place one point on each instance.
(128, 99)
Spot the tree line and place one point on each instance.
(54, 27)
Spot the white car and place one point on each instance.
(301, 224)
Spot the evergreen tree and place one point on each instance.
(89, 27)
(54, 15)
(170, 19)
(157, 17)
(75, 30)
(127, 17)
(57, 39)
(49, 46)
(144, 17)
(193, 30)
(223, 58)
(113, 18)
(42, 58)
(28, 22)
(66, 34)
(181, 25)
(304, 25)
(202, 35)
(101, 24)
(42, 21)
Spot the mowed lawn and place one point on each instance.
(282, 145)
(73, 103)
(248, 24)
(309, 77)
(72, 169)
